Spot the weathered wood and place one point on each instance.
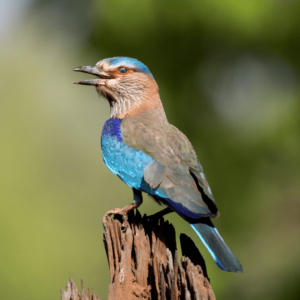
(147, 265)
(71, 292)
(143, 263)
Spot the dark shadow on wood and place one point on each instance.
(189, 249)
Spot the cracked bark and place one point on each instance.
(144, 264)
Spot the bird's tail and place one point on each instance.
(222, 255)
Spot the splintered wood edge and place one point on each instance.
(71, 292)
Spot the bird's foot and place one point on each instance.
(118, 211)
(121, 211)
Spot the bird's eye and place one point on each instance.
(122, 70)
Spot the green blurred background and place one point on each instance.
(228, 73)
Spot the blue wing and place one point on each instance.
(122, 160)
(127, 163)
(130, 165)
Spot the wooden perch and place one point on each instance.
(144, 264)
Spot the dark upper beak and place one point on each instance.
(94, 71)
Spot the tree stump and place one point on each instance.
(144, 264)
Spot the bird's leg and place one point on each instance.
(161, 213)
(137, 201)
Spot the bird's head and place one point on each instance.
(126, 83)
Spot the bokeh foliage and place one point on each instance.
(228, 73)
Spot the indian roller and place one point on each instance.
(150, 155)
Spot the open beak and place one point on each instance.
(94, 71)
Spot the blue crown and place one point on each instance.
(129, 62)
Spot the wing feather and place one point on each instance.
(175, 169)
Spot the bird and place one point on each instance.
(150, 155)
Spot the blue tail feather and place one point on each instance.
(222, 255)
